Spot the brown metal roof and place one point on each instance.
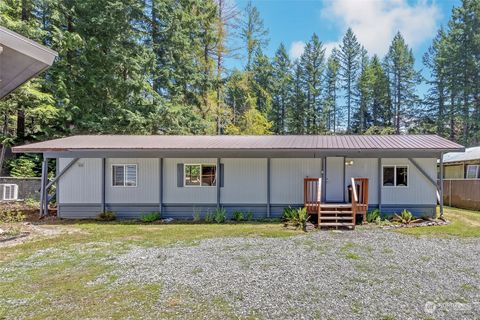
(286, 142)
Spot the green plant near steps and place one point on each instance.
(238, 215)
(406, 217)
(289, 213)
(220, 215)
(106, 216)
(373, 215)
(209, 217)
(296, 217)
(249, 216)
(151, 217)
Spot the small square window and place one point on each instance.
(472, 171)
(395, 176)
(124, 175)
(200, 175)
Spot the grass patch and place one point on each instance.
(463, 223)
(58, 277)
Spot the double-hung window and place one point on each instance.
(395, 176)
(124, 175)
(200, 175)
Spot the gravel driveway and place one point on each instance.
(370, 274)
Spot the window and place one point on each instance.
(472, 171)
(395, 176)
(200, 175)
(124, 175)
(10, 192)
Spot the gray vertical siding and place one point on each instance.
(147, 189)
(82, 182)
(245, 181)
(245, 186)
(287, 178)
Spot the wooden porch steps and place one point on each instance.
(337, 224)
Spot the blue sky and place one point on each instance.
(373, 21)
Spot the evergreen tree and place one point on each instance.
(281, 89)
(381, 102)
(312, 63)
(349, 55)
(261, 75)
(252, 32)
(333, 112)
(296, 111)
(403, 81)
(363, 118)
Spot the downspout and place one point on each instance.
(103, 185)
(380, 183)
(441, 185)
(160, 195)
(268, 187)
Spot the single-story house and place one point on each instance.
(182, 175)
(462, 165)
(20, 60)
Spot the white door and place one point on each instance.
(334, 179)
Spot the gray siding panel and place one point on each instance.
(245, 181)
(287, 178)
(82, 182)
(147, 189)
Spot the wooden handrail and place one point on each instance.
(354, 190)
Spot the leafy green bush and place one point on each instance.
(238, 215)
(373, 215)
(296, 217)
(106, 216)
(12, 216)
(249, 216)
(209, 217)
(151, 217)
(220, 215)
(406, 217)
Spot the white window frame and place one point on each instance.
(395, 175)
(124, 165)
(201, 165)
(476, 171)
(13, 190)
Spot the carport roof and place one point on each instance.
(273, 142)
(20, 60)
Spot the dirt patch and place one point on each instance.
(21, 232)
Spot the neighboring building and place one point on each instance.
(462, 165)
(181, 175)
(20, 60)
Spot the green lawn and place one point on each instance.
(53, 278)
(463, 223)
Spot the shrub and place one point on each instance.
(23, 166)
(220, 215)
(196, 216)
(238, 215)
(296, 217)
(12, 216)
(373, 215)
(288, 214)
(249, 216)
(406, 217)
(209, 217)
(106, 216)
(151, 217)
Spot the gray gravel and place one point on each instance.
(368, 274)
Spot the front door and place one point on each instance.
(335, 177)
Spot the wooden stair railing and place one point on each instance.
(360, 197)
(312, 194)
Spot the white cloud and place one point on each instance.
(376, 22)
(296, 49)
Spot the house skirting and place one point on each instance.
(187, 211)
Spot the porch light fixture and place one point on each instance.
(349, 163)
